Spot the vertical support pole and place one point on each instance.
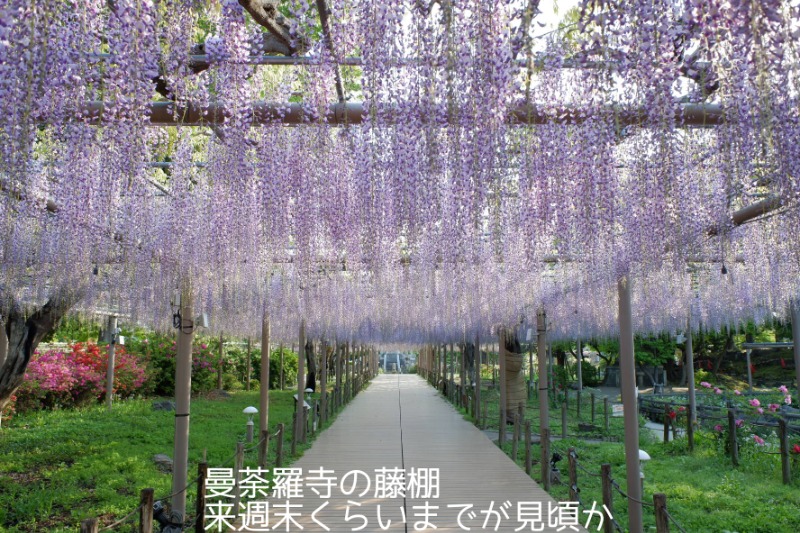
(544, 444)
(796, 343)
(249, 364)
(515, 438)
(501, 355)
(338, 393)
(281, 380)
(666, 423)
(578, 405)
(146, 510)
(605, 413)
(689, 347)
(219, 365)
(183, 391)
(608, 496)
(263, 390)
(263, 449)
(783, 437)
(112, 328)
(463, 376)
(200, 508)
(528, 458)
(544, 404)
(689, 429)
(734, 446)
(564, 420)
(238, 464)
(594, 398)
(323, 382)
(298, 408)
(631, 412)
(530, 367)
(660, 505)
(749, 370)
(580, 372)
(478, 366)
(279, 446)
(573, 474)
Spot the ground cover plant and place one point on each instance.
(59, 467)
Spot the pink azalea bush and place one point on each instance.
(60, 378)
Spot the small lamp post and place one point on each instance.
(250, 411)
(643, 458)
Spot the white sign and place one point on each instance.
(616, 409)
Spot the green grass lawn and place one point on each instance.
(705, 493)
(60, 467)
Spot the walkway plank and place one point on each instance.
(401, 421)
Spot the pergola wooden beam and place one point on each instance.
(294, 113)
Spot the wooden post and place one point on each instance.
(501, 356)
(263, 389)
(662, 521)
(578, 405)
(666, 423)
(608, 496)
(219, 366)
(528, 459)
(89, 525)
(689, 428)
(279, 447)
(732, 438)
(594, 398)
(249, 364)
(263, 449)
(501, 432)
(112, 331)
(237, 477)
(477, 368)
(564, 420)
(314, 416)
(146, 511)
(545, 458)
(463, 377)
(573, 474)
(281, 381)
(515, 439)
(605, 411)
(323, 382)
(786, 467)
(200, 509)
(301, 387)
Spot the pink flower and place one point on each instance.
(739, 423)
(787, 400)
(737, 392)
(758, 440)
(754, 402)
(783, 389)
(773, 407)
(760, 410)
(717, 390)
(705, 384)
(718, 427)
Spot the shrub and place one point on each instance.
(160, 351)
(289, 368)
(57, 378)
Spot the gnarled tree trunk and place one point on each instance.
(24, 332)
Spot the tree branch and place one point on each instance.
(265, 13)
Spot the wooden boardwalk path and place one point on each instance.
(401, 422)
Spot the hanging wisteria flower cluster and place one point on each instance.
(422, 171)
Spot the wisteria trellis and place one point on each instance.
(439, 214)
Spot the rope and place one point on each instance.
(674, 521)
(121, 520)
(192, 482)
(589, 473)
(622, 493)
